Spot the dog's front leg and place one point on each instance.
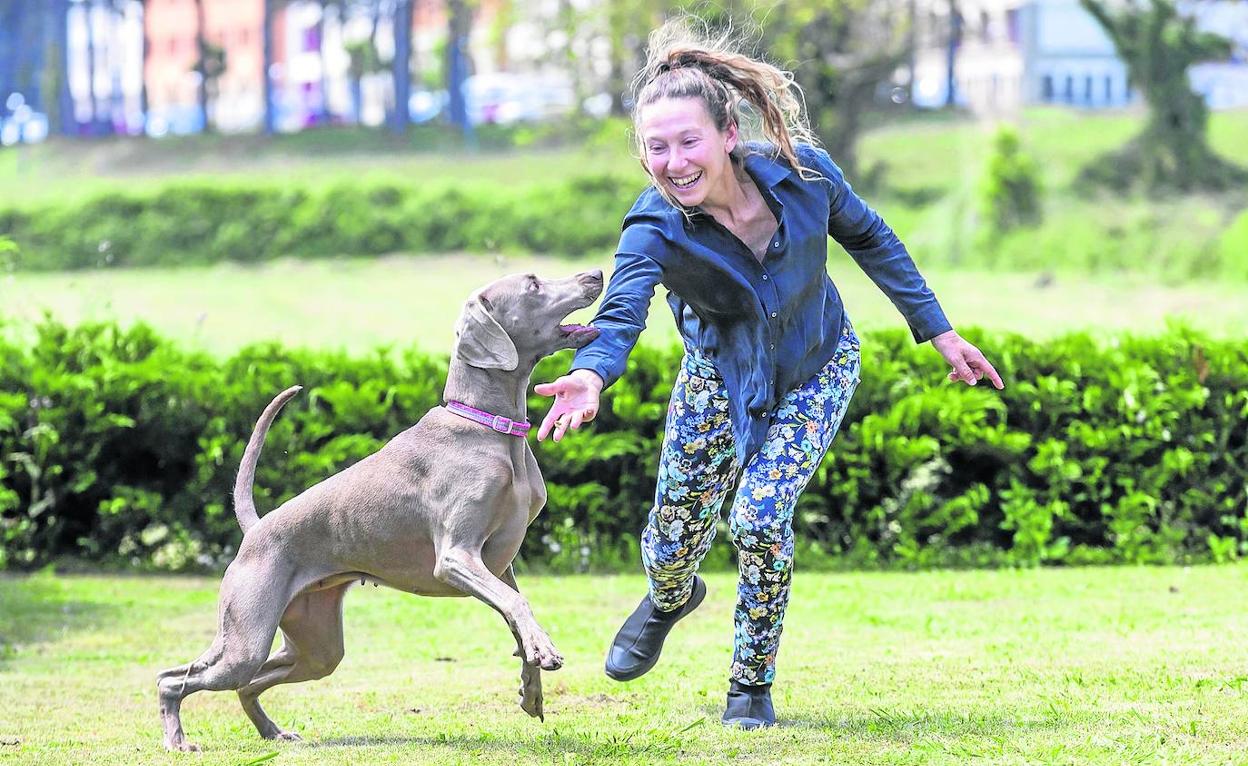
(530, 675)
(464, 571)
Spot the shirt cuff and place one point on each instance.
(598, 368)
(928, 323)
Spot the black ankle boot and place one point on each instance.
(749, 706)
(636, 647)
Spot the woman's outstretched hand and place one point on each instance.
(968, 363)
(576, 402)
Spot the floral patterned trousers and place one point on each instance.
(697, 468)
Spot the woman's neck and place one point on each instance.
(735, 203)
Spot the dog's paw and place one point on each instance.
(545, 657)
(552, 661)
(182, 746)
(531, 703)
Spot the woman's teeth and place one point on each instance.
(686, 181)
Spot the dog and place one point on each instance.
(440, 510)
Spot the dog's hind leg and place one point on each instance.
(312, 647)
(250, 607)
(530, 674)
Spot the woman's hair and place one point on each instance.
(684, 62)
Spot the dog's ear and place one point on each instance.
(480, 341)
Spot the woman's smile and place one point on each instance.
(685, 183)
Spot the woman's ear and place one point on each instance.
(730, 137)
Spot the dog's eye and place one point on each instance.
(534, 285)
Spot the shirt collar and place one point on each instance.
(765, 167)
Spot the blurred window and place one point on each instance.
(1046, 88)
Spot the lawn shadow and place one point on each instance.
(590, 746)
(38, 609)
(906, 725)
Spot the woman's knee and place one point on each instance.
(758, 536)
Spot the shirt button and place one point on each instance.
(764, 277)
(776, 243)
(773, 347)
(773, 315)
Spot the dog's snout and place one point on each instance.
(591, 281)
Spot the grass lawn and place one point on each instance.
(1064, 666)
(363, 303)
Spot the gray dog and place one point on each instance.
(440, 510)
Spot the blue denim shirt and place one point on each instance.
(769, 325)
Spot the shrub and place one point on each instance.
(118, 447)
(1011, 187)
(207, 222)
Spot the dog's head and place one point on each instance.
(519, 319)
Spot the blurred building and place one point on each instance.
(1004, 54)
(172, 28)
(130, 66)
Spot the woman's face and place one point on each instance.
(685, 152)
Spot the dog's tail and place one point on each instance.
(244, 502)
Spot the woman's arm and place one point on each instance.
(879, 253)
(622, 313)
(620, 319)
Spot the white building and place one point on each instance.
(1019, 52)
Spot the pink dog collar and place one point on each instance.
(497, 422)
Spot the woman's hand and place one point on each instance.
(968, 363)
(576, 402)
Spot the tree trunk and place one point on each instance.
(146, 52)
(201, 46)
(322, 106)
(66, 122)
(11, 29)
(460, 24)
(270, 110)
(951, 55)
(88, 10)
(401, 67)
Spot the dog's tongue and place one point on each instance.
(580, 333)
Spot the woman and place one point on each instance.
(737, 233)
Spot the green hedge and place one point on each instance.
(250, 220)
(208, 222)
(118, 447)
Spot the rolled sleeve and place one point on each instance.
(622, 314)
(878, 252)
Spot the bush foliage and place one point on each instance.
(207, 222)
(996, 224)
(1011, 187)
(121, 448)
